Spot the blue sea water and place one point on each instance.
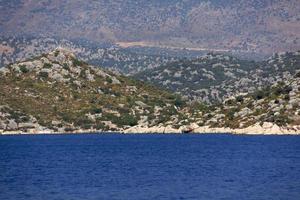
(137, 167)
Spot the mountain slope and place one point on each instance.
(214, 77)
(56, 92)
(245, 25)
(13, 49)
(277, 104)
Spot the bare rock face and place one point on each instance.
(2, 125)
(28, 125)
(12, 126)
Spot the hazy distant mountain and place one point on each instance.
(126, 61)
(243, 25)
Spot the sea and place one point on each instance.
(149, 167)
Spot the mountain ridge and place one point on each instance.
(247, 25)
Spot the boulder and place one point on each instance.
(12, 125)
(2, 125)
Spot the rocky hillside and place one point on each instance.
(13, 49)
(56, 92)
(214, 77)
(278, 105)
(244, 25)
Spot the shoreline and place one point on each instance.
(265, 129)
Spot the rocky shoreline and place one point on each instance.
(257, 129)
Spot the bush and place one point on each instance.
(96, 110)
(69, 129)
(56, 53)
(128, 120)
(47, 65)
(286, 97)
(283, 90)
(124, 120)
(43, 74)
(109, 80)
(66, 117)
(178, 102)
(78, 62)
(260, 94)
(84, 122)
(65, 66)
(229, 102)
(99, 126)
(230, 114)
(250, 105)
(240, 99)
(24, 69)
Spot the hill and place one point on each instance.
(214, 77)
(56, 92)
(265, 26)
(273, 109)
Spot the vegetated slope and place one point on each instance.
(13, 49)
(244, 25)
(57, 92)
(214, 77)
(277, 104)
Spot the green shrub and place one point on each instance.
(43, 74)
(56, 53)
(229, 102)
(123, 120)
(286, 97)
(240, 99)
(84, 122)
(69, 129)
(66, 117)
(283, 90)
(96, 110)
(24, 69)
(260, 94)
(109, 80)
(47, 65)
(99, 126)
(78, 62)
(178, 101)
(65, 66)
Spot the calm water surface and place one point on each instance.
(137, 167)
